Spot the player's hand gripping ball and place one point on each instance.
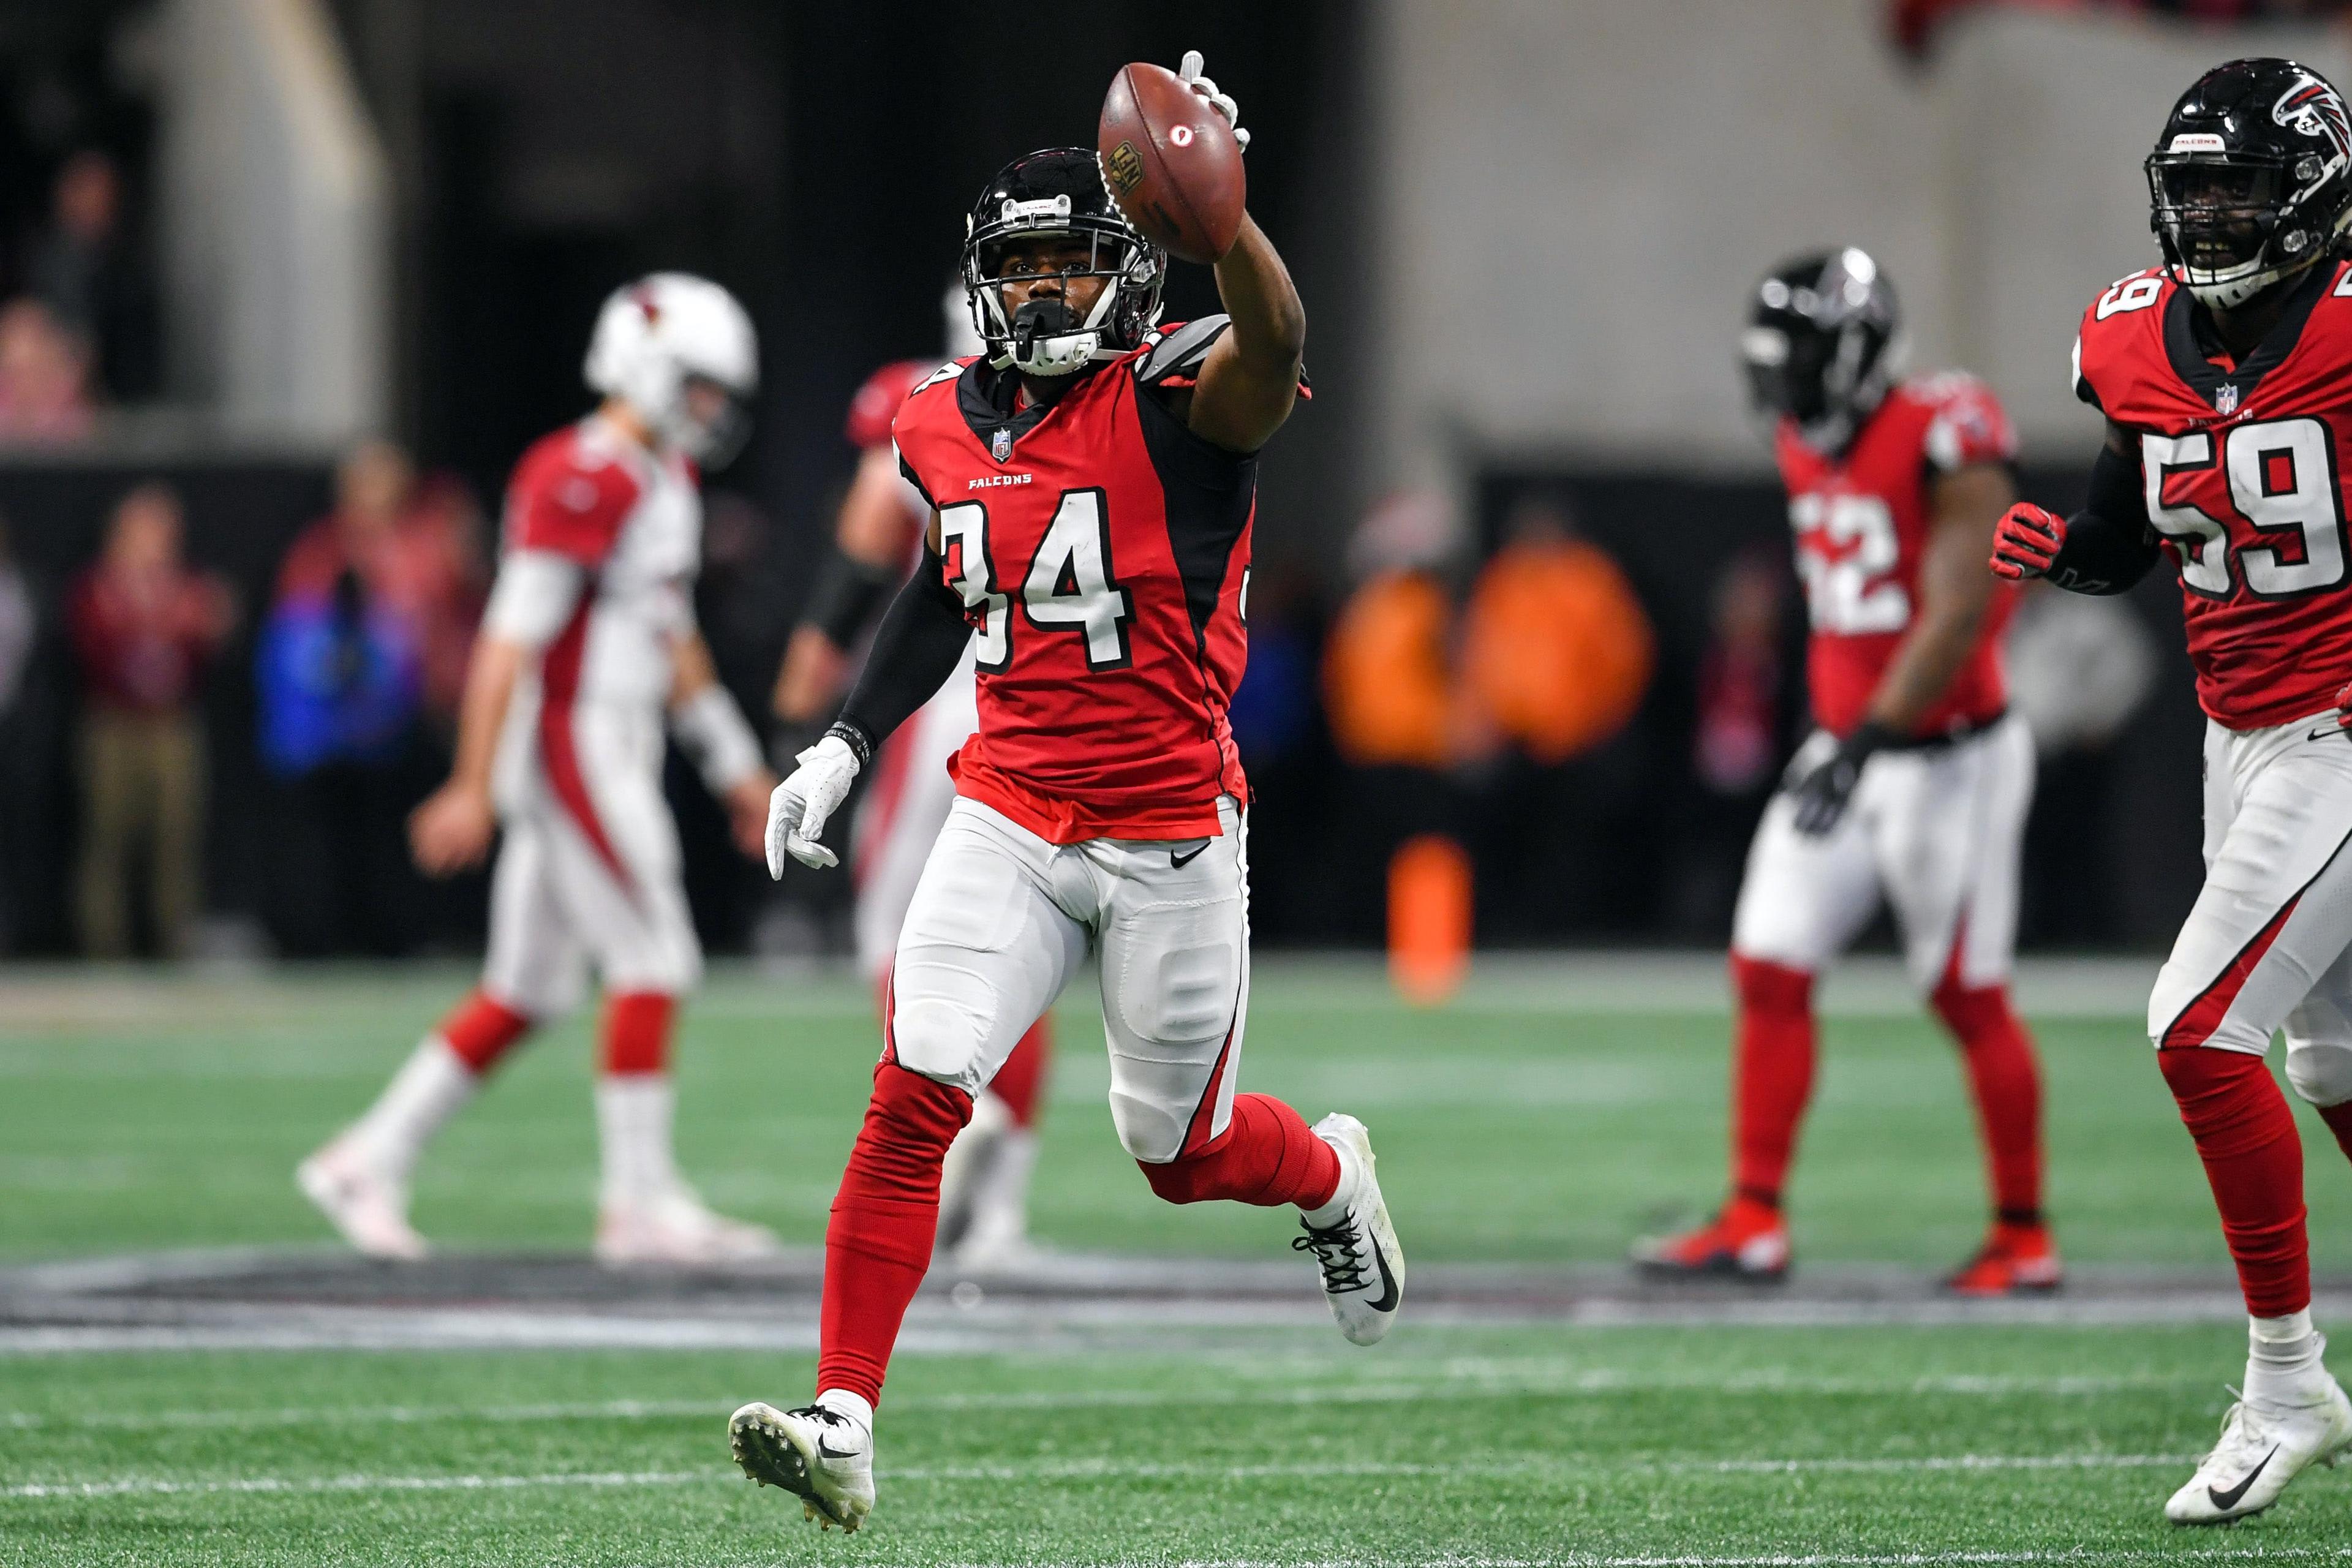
(798, 810)
(1170, 147)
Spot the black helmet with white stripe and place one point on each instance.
(2252, 180)
(1053, 193)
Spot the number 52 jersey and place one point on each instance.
(2244, 467)
(1101, 551)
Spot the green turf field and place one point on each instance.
(1516, 1125)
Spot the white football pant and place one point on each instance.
(1002, 918)
(1935, 830)
(2265, 943)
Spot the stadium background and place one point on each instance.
(1524, 231)
(1524, 244)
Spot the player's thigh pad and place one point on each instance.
(2274, 916)
(986, 950)
(535, 963)
(1175, 981)
(1803, 900)
(625, 891)
(1948, 826)
(2319, 1038)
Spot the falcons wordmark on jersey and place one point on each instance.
(1102, 552)
(2243, 466)
(1862, 520)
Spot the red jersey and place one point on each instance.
(1862, 519)
(2242, 466)
(1102, 552)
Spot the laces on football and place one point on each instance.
(1337, 1249)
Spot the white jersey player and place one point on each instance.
(589, 644)
(984, 1187)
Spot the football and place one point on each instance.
(1172, 164)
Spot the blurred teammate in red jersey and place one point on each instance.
(1093, 482)
(588, 646)
(1915, 786)
(2226, 379)
(877, 541)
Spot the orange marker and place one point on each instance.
(1428, 919)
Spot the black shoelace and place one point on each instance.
(1335, 1247)
(824, 1412)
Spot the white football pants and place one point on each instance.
(1937, 831)
(1002, 918)
(2265, 945)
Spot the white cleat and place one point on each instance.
(1364, 1267)
(2262, 1447)
(361, 1200)
(676, 1228)
(818, 1455)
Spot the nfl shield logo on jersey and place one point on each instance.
(2225, 400)
(1000, 446)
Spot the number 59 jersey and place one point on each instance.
(1101, 551)
(1862, 519)
(2243, 470)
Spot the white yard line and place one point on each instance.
(1096, 1469)
(1468, 1386)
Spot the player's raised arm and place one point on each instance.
(1250, 379)
(2105, 548)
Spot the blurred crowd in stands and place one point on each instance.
(78, 319)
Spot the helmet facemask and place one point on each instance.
(711, 421)
(2251, 182)
(1045, 336)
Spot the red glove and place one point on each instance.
(2027, 541)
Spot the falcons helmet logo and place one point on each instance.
(2315, 109)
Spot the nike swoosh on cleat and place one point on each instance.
(1180, 861)
(2229, 1499)
(825, 1450)
(1387, 1301)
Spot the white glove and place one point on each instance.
(1189, 73)
(797, 811)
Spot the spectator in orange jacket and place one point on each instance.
(1556, 651)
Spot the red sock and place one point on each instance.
(2007, 1082)
(885, 1220)
(2339, 1122)
(1023, 1075)
(481, 1029)
(1266, 1155)
(2245, 1134)
(636, 1033)
(1772, 1074)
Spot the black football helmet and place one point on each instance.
(2252, 180)
(1059, 192)
(1823, 345)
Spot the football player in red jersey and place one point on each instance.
(1914, 788)
(2225, 376)
(878, 538)
(1092, 480)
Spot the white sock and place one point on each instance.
(841, 1402)
(2283, 1364)
(423, 1095)
(632, 1121)
(999, 1195)
(1350, 1178)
